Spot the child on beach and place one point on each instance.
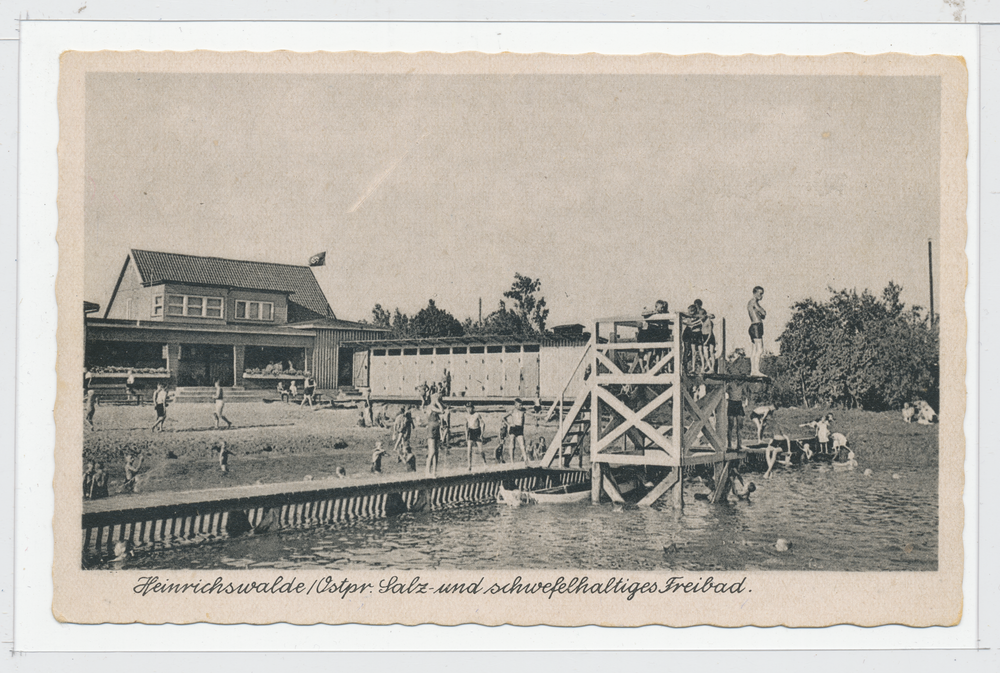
(224, 454)
(498, 454)
(409, 460)
(377, 458)
(402, 428)
(133, 464)
(88, 478)
(99, 483)
(91, 407)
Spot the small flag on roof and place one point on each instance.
(318, 260)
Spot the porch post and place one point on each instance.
(239, 354)
(172, 354)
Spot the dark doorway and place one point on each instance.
(202, 365)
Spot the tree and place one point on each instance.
(860, 350)
(502, 322)
(381, 317)
(398, 323)
(432, 321)
(527, 304)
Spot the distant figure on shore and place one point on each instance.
(446, 429)
(473, 433)
(293, 391)
(757, 315)
(502, 442)
(160, 405)
(91, 407)
(402, 428)
(99, 483)
(224, 454)
(341, 473)
(220, 405)
(925, 413)
(133, 464)
(88, 478)
(130, 385)
(822, 427)
(515, 428)
(433, 433)
(377, 458)
(409, 460)
(283, 391)
(308, 390)
(908, 412)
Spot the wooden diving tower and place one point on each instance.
(642, 411)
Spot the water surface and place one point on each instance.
(834, 520)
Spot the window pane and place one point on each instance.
(265, 311)
(241, 309)
(175, 304)
(194, 306)
(213, 302)
(253, 309)
(213, 312)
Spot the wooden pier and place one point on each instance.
(147, 522)
(644, 411)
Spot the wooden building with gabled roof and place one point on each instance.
(191, 320)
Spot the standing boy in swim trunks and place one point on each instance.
(757, 315)
(515, 427)
(473, 433)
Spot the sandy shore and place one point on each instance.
(270, 443)
(274, 443)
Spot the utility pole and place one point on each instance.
(480, 311)
(930, 272)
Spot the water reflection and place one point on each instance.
(835, 521)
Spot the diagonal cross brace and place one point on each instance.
(634, 419)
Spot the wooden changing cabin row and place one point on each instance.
(497, 368)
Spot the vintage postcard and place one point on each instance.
(527, 339)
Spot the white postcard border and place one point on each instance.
(37, 260)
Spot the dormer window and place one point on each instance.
(189, 306)
(255, 310)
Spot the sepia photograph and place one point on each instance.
(399, 314)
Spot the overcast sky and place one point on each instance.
(613, 190)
